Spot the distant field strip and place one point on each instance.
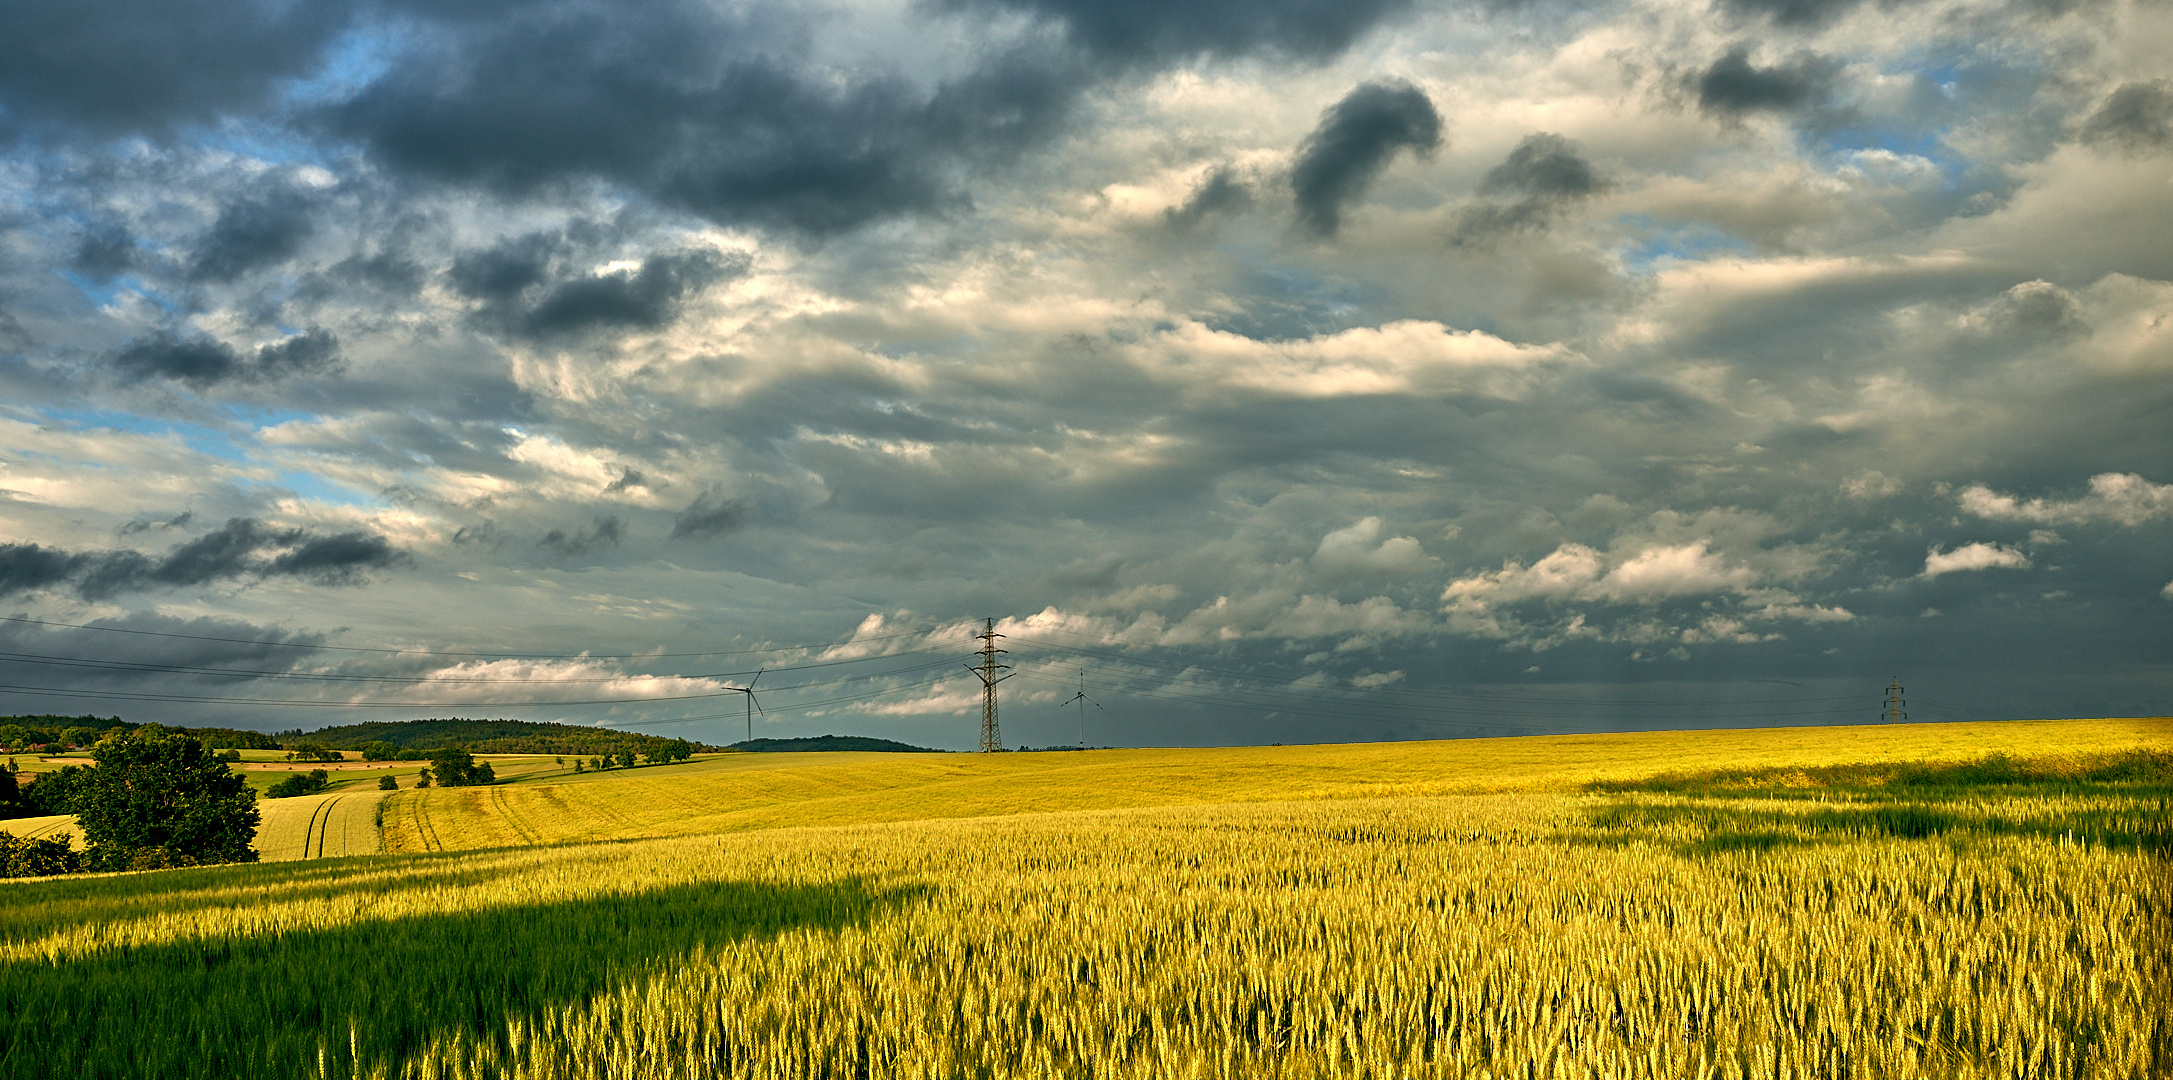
(44, 828)
(754, 791)
(319, 826)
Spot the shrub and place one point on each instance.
(309, 783)
(386, 783)
(161, 797)
(23, 857)
(229, 755)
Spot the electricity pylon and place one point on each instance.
(1083, 701)
(991, 741)
(752, 704)
(1894, 702)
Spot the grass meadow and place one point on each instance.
(1777, 904)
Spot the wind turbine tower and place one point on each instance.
(752, 704)
(1083, 701)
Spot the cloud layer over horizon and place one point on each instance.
(1322, 370)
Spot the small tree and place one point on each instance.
(386, 783)
(161, 799)
(422, 779)
(455, 767)
(380, 751)
(12, 803)
(623, 757)
(79, 736)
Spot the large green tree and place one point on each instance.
(161, 799)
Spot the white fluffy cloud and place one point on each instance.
(1577, 572)
(1357, 551)
(2121, 498)
(1978, 556)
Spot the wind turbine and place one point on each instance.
(752, 704)
(1083, 701)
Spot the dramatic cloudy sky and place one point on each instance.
(1278, 371)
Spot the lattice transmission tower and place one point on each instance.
(1894, 702)
(991, 740)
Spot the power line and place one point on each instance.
(1427, 694)
(488, 655)
(127, 695)
(47, 660)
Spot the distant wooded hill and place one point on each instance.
(479, 736)
(830, 744)
(19, 733)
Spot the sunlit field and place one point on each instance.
(744, 791)
(1869, 903)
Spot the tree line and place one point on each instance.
(29, 734)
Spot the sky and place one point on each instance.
(1285, 371)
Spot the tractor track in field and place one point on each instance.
(320, 826)
(522, 827)
(427, 832)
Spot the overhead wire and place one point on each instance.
(1496, 695)
(48, 660)
(455, 652)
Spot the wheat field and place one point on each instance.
(1952, 930)
(754, 791)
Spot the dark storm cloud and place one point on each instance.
(24, 567)
(604, 532)
(1544, 165)
(1357, 138)
(1734, 86)
(533, 286)
(1147, 30)
(501, 273)
(196, 360)
(2138, 116)
(709, 516)
(1550, 175)
(1219, 194)
(252, 233)
(104, 252)
(312, 351)
(695, 107)
(203, 362)
(121, 66)
(1791, 13)
(646, 299)
(628, 479)
(243, 547)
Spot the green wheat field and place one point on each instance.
(1988, 900)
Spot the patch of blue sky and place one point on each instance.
(202, 438)
(314, 488)
(261, 418)
(353, 60)
(1653, 242)
(1283, 303)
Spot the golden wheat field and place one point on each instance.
(1805, 913)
